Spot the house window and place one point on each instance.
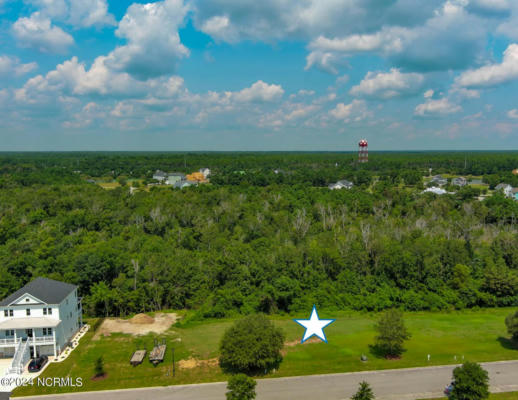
(49, 310)
(11, 313)
(28, 312)
(28, 332)
(44, 311)
(6, 313)
(47, 331)
(9, 333)
(27, 300)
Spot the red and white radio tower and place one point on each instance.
(363, 151)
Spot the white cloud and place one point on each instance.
(38, 32)
(270, 20)
(438, 107)
(90, 13)
(342, 80)
(494, 74)
(464, 93)
(419, 48)
(429, 93)
(386, 85)
(513, 114)
(81, 13)
(154, 47)
(301, 111)
(259, 92)
(72, 77)
(352, 112)
(12, 65)
(325, 51)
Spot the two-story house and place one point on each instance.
(39, 319)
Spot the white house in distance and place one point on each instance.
(343, 184)
(436, 190)
(39, 319)
(506, 188)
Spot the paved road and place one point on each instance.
(401, 384)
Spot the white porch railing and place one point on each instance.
(41, 340)
(7, 342)
(21, 357)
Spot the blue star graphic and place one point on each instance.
(314, 326)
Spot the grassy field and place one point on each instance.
(447, 337)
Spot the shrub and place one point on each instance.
(241, 387)
(99, 367)
(392, 333)
(471, 382)
(364, 392)
(512, 325)
(252, 345)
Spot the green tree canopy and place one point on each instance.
(364, 392)
(392, 333)
(471, 382)
(241, 387)
(252, 345)
(512, 325)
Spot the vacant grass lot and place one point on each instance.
(447, 337)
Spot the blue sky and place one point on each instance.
(268, 75)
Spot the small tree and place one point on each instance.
(471, 382)
(252, 345)
(99, 367)
(512, 325)
(364, 392)
(392, 333)
(241, 387)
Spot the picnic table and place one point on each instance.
(158, 353)
(137, 357)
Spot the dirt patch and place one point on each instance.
(99, 377)
(142, 319)
(140, 324)
(297, 342)
(192, 363)
(284, 351)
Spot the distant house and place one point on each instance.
(183, 184)
(459, 181)
(205, 172)
(435, 190)
(174, 177)
(196, 177)
(439, 180)
(160, 176)
(505, 188)
(343, 184)
(515, 193)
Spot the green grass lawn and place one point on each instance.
(476, 335)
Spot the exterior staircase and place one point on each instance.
(21, 358)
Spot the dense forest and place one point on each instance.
(259, 240)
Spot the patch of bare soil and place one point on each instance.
(284, 351)
(296, 342)
(192, 363)
(140, 324)
(142, 319)
(99, 377)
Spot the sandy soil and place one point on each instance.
(192, 363)
(140, 324)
